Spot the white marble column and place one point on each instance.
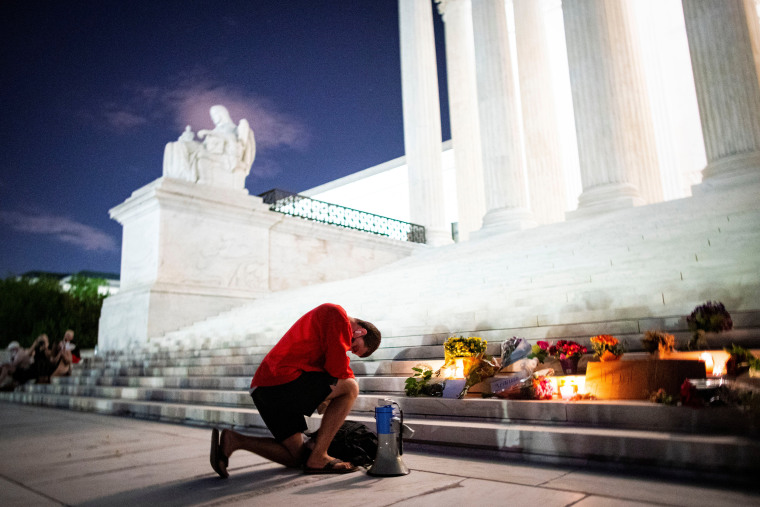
(612, 117)
(503, 170)
(422, 119)
(463, 113)
(728, 93)
(673, 99)
(543, 155)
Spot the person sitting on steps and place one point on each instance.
(63, 358)
(17, 370)
(308, 368)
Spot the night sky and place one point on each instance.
(93, 90)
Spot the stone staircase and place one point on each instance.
(621, 274)
(209, 387)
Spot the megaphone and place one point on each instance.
(390, 428)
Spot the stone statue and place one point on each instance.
(222, 159)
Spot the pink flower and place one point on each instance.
(544, 345)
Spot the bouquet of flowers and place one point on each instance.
(541, 388)
(476, 365)
(513, 350)
(606, 347)
(740, 360)
(711, 317)
(464, 347)
(539, 351)
(567, 349)
(535, 387)
(654, 341)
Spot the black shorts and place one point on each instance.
(283, 407)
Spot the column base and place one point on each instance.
(728, 173)
(504, 220)
(437, 237)
(605, 198)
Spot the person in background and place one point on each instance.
(44, 364)
(63, 357)
(17, 370)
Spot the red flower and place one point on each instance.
(689, 396)
(566, 348)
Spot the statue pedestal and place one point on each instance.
(189, 252)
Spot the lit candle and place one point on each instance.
(708, 360)
(459, 372)
(719, 368)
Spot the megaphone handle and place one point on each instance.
(401, 433)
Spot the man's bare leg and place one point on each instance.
(291, 452)
(341, 399)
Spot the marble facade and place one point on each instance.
(205, 246)
(627, 103)
(192, 250)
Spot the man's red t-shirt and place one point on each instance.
(318, 341)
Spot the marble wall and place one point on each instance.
(192, 251)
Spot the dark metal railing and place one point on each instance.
(327, 213)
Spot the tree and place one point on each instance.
(84, 288)
(32, 306)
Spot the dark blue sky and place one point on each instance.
(92, 90)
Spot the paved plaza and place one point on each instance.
(61, 457)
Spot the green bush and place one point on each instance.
(32, 306)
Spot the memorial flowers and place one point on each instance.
(661, 396)
(422, 383)
(542, 388)
(460, 355)
(464, 347)
(567, 349)
(711, 317)
(539, 351)
(568, 353)
(466, 364)
(535, 387)
(740, 360)
(657, 341)
(514, 349)
(606, 347)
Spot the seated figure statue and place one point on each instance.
(223, 158)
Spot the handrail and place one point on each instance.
(301, 206)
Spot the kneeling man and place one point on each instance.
(307, 368)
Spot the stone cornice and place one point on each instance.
(172, 194)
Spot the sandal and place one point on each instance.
(219, 461)
(330, 468)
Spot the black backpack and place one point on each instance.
(353, 442)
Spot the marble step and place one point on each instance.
(539, 442)
(199, 382)
(400, 359)
(244, 349)
(571, 325)
(366, 384)
(631, 297)
(607, 414)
